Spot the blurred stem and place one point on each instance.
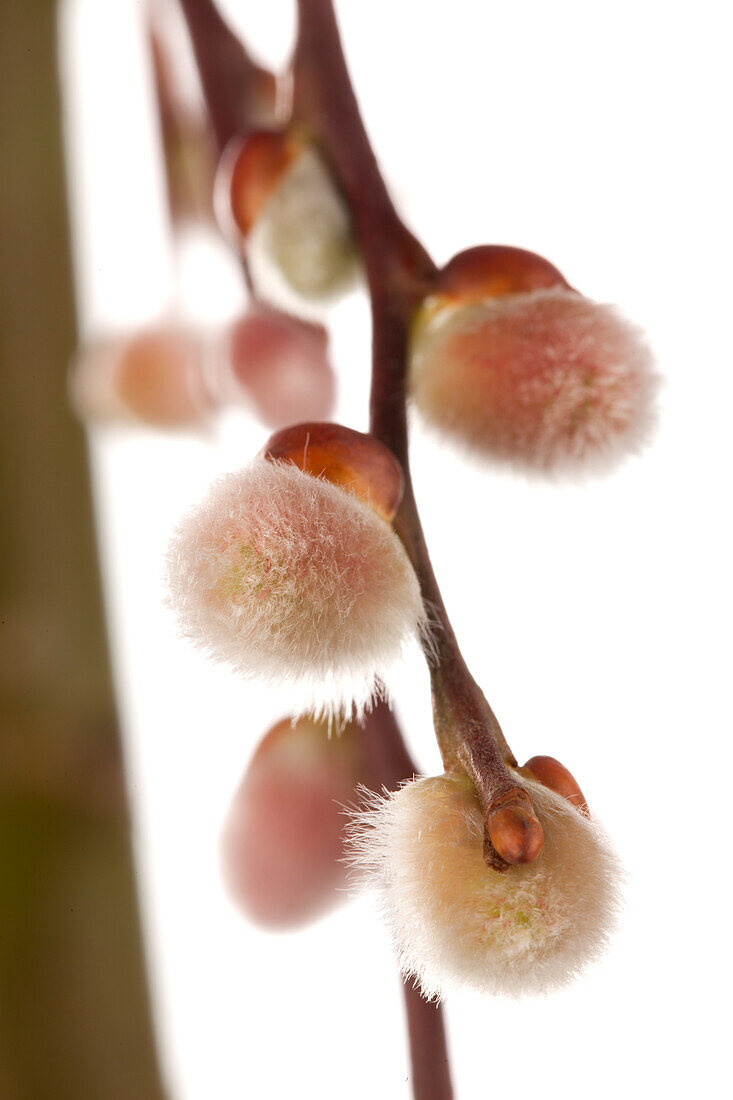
(241, 96)
(238, 91)
(74, 1015)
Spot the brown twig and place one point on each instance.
(389, 764)
(428, 1047)
(188, 144)
(239, 93)
(400, 274)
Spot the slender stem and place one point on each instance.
(324, 103)
(188, 144)
(239, 93)
(389, 764)
(458, 702)
(400, 274)
(428, 1047)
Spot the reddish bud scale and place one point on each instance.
(283, 840)
(515, 832)
(556, 777)
(249, 172)
(352, 460)
(281, 364)
(487, 271)
(491, 270)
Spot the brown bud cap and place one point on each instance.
(352, 460)
(552, 774)
(513, 829)
(492, 270)
(248, 173)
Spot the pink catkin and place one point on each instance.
(154, 377)
(292, 580)
(282, 846)
(547, 380)
(280, 364)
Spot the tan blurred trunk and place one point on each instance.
(74, 1018)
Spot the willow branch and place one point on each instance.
(400, 274)
(388, 755)
(237, 90)
(389, 765)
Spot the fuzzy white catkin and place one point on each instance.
(305, 228)
(456, 923)
(547, 381)
(291, 579)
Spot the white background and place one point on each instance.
(596, 616)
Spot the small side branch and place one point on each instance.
(237, 90)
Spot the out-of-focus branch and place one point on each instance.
(240, 94)
(74, 1017)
